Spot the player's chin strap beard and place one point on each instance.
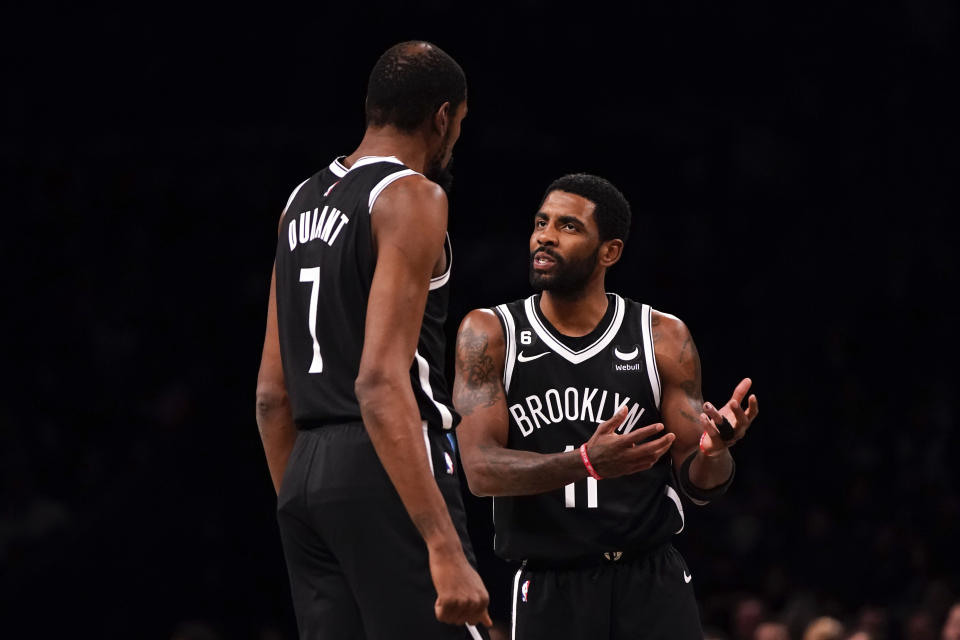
(442, 175)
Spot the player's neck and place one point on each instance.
(410, 148)
(577, 314)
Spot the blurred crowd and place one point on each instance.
(804, 619)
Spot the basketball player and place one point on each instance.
(571, 402)
(352, 404)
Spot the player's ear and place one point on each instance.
(441, 119)
(610, 252)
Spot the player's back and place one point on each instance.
(558, 389)
(324, 265)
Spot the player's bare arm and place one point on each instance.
(493, 469)
(406, 256)
(684, 412)
(274, 418)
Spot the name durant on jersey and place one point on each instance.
(320, 225)
(573, 404)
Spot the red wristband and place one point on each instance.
(586, 462)
(704, 451)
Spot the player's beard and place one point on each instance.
(569, 278)
(443, 176)
(439, 173)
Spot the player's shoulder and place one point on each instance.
(667, 326)
(667, 330)
(411, 191)
(671, 340)
(664, 325)
(412, 210)
(481, 326)
(481, 320)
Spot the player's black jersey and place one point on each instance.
(325, 264)
(558, 390)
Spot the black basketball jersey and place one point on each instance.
(325, 263)
(558, 390)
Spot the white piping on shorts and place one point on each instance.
(516, 589)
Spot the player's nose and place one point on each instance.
(546, 236)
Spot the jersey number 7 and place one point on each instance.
(312, 275)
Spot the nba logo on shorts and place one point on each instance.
(524, 589)
(449, 461)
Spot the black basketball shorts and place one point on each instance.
(646, 598)
(358, 567)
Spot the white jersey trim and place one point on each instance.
(439, 281)
(510, 345)
(513, 615)
(386, 182)
(339, 169)
(562, 350)
(650, 354)
(426, 441)
(673, 495)
(292, 196)
(365, 160)
(423, 369)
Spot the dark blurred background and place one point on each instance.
(792, 171)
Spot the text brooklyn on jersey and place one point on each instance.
(558, 390)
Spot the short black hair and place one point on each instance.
(612, 211)
(409, 83)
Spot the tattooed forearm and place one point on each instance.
(520, 473)
(692, 387)
(476, 383)
(694, 396)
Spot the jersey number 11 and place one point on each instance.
(570, 495)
